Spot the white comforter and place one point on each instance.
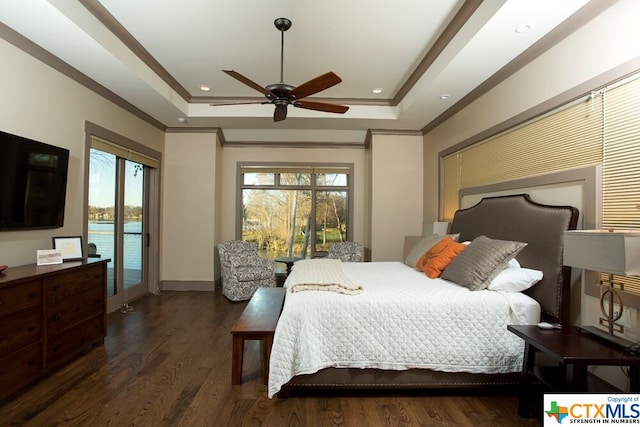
(401, 320)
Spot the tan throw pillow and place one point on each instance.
(423, 246)
(481, 261)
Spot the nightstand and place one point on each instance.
(288, 261)
(572, 352)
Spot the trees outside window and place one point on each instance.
(295, 210)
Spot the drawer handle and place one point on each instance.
(31, 328)
(31, 362)
(55, 288)
(32, 295)
(56, 317)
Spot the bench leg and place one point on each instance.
(266, 343)
(237, 355)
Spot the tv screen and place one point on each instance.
(33, 181)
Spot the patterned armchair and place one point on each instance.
(243, 271)
(347, 251)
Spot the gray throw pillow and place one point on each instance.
(423, 245)
(481, 261)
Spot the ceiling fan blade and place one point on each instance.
(316, 85)
(280, 113)
(217, 104)
(321, 106)
(249, 83)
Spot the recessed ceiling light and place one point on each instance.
(523, 28)
(205, 88)
(377, 90)
(445, 96)
(182, 120)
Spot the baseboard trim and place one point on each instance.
(183, 285)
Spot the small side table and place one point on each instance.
(289, 261)
(574, 351)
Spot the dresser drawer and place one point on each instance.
(73, 310)
(24, 296)
(20, 368)
(19, 330)
(65, 345)
(66, 285)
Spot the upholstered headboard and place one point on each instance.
(517, 217)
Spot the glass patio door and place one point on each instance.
(116, 226)
(133, 231)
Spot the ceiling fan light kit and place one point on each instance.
(282, 94)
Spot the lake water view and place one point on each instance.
(101, 233)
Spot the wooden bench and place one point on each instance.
(257, 322)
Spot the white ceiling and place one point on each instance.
(155, 55)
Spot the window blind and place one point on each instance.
(621, 165)
(450, 186)
(125, 153)
(568, 139)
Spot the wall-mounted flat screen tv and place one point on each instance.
(33, 183)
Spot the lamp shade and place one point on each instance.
(615, 252)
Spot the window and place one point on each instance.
(122, 223)
(600, 128)
(295, 210)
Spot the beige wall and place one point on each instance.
(189, 211)
(607, 42)
(395, 193)
(42, 104)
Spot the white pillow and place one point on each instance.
(514, 279)
(514, 263)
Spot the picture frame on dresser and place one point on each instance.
(70, 246)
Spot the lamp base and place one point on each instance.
(621, 342)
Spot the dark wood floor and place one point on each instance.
(168, 363)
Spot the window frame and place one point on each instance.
(286, 167)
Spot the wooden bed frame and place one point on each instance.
(513, 217)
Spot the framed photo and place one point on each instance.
(71, 247)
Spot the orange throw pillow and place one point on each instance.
(436, 259)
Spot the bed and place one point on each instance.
(404, 330)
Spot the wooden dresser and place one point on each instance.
(49, 314)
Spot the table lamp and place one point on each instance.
(606, 251)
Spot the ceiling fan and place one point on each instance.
(282, 95)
